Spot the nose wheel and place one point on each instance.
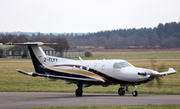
(135, 93)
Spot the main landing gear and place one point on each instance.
(122, 90)
(79, 91)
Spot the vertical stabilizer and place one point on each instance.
(36, 62)
(36, 53)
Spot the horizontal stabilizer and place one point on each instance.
(31, 43)
(30, 74)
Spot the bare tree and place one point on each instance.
(39, 39)
(21, 38)
(1, 52)
(62, 44)
(170, 42)
(142, 41)
(7, 38)
(153, 41)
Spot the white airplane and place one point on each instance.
(85, 73)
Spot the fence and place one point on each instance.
(73, 54)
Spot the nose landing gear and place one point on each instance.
(135, 93)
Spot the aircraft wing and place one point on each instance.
(58, 77)
(170, 71)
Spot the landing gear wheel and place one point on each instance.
(121, 91)
(134, 93)
(79, 92)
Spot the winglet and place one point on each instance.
(171, 70)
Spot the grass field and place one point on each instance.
(117, 107)
(12, 81)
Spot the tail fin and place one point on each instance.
(36, 53)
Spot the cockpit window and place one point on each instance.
(117, 66)
(125, 64)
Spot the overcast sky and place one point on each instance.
(59, 16)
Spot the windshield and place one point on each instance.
(119, 65)
(125, 64)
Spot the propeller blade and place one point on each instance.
(162, 67)
(155, 74)
(153, 61)
(149, 84)
(160, 82)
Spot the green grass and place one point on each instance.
(12, 81)
(13, 59)
(136, 55)
(117, 107)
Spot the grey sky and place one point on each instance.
(85, 15)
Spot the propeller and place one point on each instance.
(154, 74)
(160, 82)
(153, 61)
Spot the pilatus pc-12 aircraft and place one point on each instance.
(85, 73)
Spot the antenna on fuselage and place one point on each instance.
(80, 58)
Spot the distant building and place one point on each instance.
(18, 51)
(85, 47)
(14, 52)
(49, 51)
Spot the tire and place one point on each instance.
(79, 92)
(134, 93)
(121, 91)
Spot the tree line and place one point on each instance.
(163, 36)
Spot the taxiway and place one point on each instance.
(21, 100)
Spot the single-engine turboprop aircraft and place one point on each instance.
(85, 73)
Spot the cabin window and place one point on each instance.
(103, 67)
(125, 64)
(117, 66)
(94, 67)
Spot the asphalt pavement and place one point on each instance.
(21, 100)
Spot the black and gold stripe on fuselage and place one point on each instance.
(85, 73)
